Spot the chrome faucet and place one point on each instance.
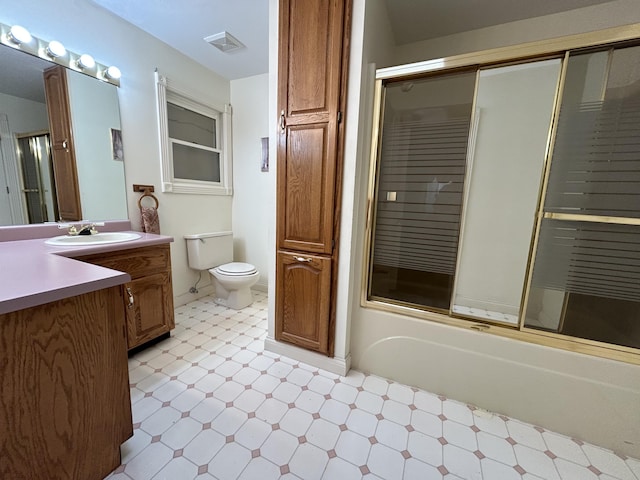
(81, 228)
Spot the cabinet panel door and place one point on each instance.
(302, 300)
(64, 160)
(310, 56)
(306, 177)
(149, 308)
(309, 70)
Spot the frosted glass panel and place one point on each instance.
(420, 186)
(596, 159)
(514, 108)
(195, 164)
(592, 270)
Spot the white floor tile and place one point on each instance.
(496, 448)
(461, 462)
(308, 462)
(323, 434)
(415, 469)
(605, 462)
(334, 411)
(536, 462)
(210, 403)
(259, 469)
(425, 448)
(204, 446)
(181, 433)
(279, 447)
(385, 462)
(253, 433)
(178, 469)
(149, 462)
(353, 447)
(296, 422)
(230, 461)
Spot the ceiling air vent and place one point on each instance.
(224, 41)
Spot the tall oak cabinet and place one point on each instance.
(312, 73)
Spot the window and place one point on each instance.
(506, 197)
(195, 140)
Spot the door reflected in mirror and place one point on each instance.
(27, 172)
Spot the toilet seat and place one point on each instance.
(236, 269)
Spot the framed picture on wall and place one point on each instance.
(117, 151)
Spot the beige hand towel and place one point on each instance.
(150, 220)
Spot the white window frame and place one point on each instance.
(166, 92)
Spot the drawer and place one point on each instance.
(137, 262)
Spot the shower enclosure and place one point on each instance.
(507, 194)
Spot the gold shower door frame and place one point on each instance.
(541, 50)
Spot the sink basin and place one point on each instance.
(96, 239)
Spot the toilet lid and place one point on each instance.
(236, 268)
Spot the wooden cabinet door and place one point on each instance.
(303, 300)
(149, 308)
(64, 160)
(149, 295)
(310, 72)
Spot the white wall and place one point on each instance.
(24, 115)
(84, 27)
(579, 395)
(250, 103)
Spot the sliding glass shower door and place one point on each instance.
(420, 189)
(514, 108)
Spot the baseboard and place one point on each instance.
(339, 366)
(185, 298)
(261, 287)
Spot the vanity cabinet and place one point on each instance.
(148, 297)
(65, 407)
(312, 75)
(65, 171)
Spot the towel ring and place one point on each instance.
(147, 194)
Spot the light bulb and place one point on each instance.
(56, 49)
(19, 35)
(112, 73)
(86, 61)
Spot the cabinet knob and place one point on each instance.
(282, 120)
(130, 297)
(65, 145)
(303, 259)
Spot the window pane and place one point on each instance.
(190, 126)
(420, 183)
(505, 169)
(585, 281)
(191, 163)
(596, 159)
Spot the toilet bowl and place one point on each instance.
(232, 281)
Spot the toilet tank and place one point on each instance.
(208, 250)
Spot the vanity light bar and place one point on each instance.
(18, 37)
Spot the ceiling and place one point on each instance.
(247, 20)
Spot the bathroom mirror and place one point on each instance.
(25, 167)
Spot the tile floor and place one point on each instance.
(209, 403)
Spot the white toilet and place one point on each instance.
(232, 280)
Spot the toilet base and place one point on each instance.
(236, 300)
